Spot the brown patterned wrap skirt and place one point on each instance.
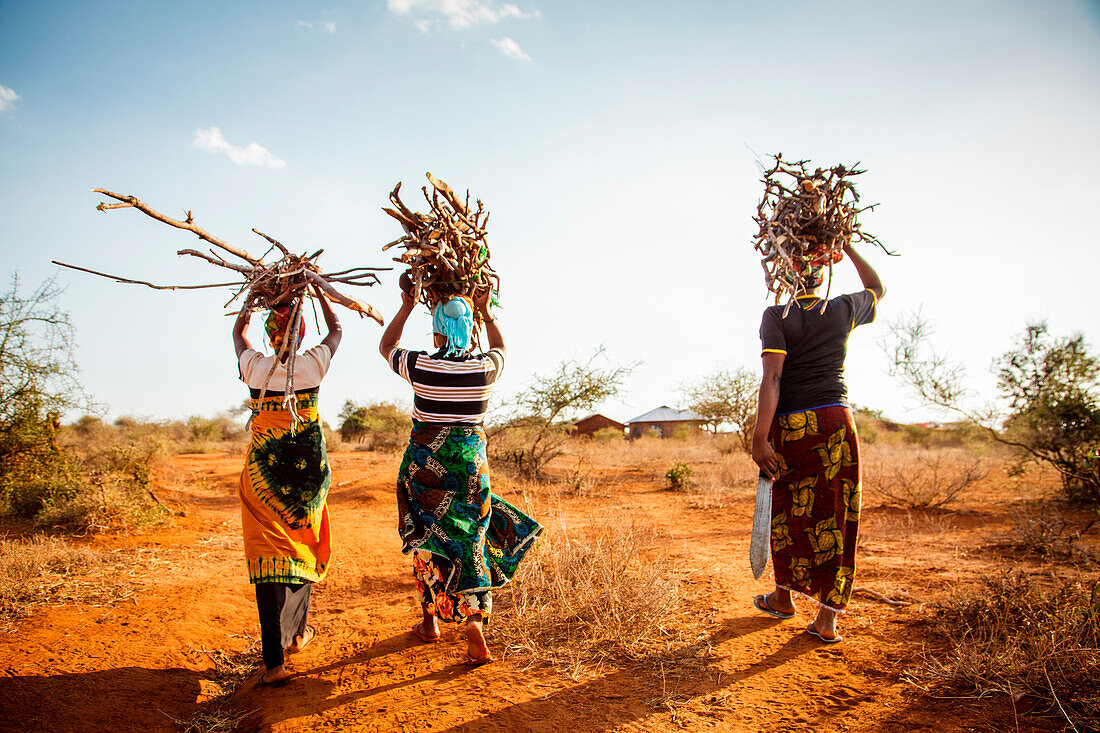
(816, 504)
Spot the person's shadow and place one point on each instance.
(126, 698)
(617, 709)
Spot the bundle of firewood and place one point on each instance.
(264, 285)
(445, 250)
(806, 219)
(284, 282)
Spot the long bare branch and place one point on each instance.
(143, 282)
(188, 224)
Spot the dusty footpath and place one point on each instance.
(139, 663)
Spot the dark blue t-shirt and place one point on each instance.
(815, 344)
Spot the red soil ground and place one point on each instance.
(130, 665)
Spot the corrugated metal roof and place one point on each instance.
(664, 413)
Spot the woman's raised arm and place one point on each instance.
(492, 330)
(867, 274)
(391, 337)
(240, 331)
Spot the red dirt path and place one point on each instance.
(130, 665)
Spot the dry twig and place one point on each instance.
(806, 219)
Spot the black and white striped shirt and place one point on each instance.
(449, 389)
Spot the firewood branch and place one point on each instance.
(188, 225)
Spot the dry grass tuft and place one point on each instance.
(231, 670)
(1017, 638)
(590, 596)
(729, 477)
(924, 479)
(43, 569)
(211, 720)
(906, 526)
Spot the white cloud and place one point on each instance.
(510, 48)
(458, 13)
(329, 25)
(212, 141)
(7, 98)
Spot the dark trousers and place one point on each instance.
(284, 612)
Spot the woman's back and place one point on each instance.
(449, 389)
(815, 344)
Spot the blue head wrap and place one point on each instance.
(454, 320)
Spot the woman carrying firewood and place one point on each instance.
(465, 540)
(285, 480)
(805, 439)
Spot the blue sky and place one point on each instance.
(613, 142)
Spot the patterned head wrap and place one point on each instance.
(454, 319)
(813, 276)
(276, 324)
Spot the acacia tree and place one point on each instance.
(725, 396)
(38, 375)
(1051, 387)
(538, 427)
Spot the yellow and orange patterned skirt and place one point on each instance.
(283, 489)
(816, 503)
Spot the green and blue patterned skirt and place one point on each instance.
(465, 540)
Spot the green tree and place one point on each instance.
(38, 376)
(725, 396)
(539, 425)
(1053, 389)
(1050, 387)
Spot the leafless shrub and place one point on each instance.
(591, 596)
(1015, 637)
(583, 481)
(1047, 535)
(925, 479)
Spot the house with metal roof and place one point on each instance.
(662, 422)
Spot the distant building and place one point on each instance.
(592, 423)
(662, 422)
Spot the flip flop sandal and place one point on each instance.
(478, 661)
(814, 632)
(273, 683)
(418, 632)
(761, 603)
(307, 637)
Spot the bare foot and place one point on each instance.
(301, 641)
(477, 650)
